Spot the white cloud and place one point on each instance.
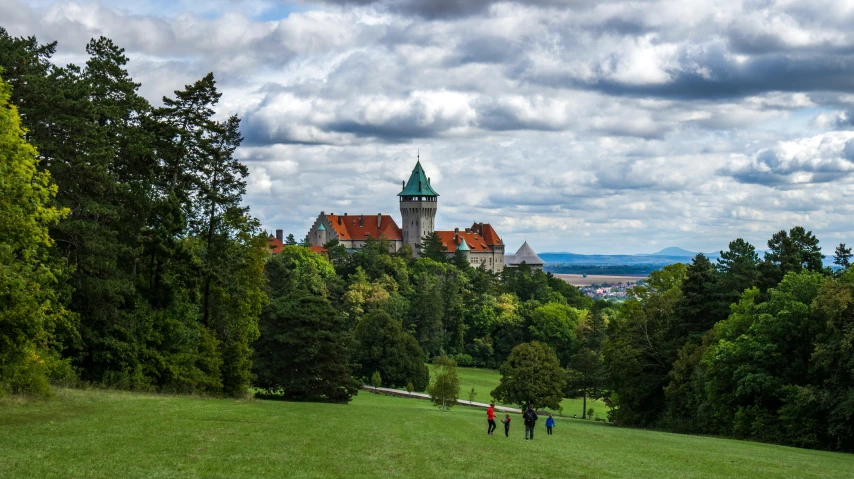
(590, 126)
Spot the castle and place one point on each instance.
(418, 201)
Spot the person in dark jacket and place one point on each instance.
(506, 422)
(530, 418)
(550, 423)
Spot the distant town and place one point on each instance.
(608, 287)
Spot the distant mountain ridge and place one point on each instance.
(674, 251)
(633, 263)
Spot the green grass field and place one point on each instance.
(485, 380)
(106, 434)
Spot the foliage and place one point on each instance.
(30, 306)
(431, 247)
(531, 375)
(304, 351)
(383, 346)
(445, 386)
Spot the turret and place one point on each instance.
(418, 201)
(321, 235)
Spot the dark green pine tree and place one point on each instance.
(739, 269)
(383, 346)
(461, 261)
(290, 240)
(842, 256)
(101, 158)
(700, 306)
(27, 68)
(794, 251)
(432, 247)
(304, 351)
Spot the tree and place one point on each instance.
(290, 240)
(640, 350)
(700, 305)
(739, 270)
(460, 261)
(531, 375)
(304, 351)
(445, 387)
(794, 251)
(759, 355)
(31, 308)
(383, 346)
(585, 377)
(842, 256)
(432, 247)
(555, 324)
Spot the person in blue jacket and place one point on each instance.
(550, 423)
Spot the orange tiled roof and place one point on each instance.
(317, 249)
(275, 245)
(475, 242)
(488, 233)
(359, 227)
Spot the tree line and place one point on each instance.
(127, 258)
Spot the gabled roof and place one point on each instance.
(473, 241)
(524, 255)
(317, 249)
(418, 184)
(360, 227)
(487, 232)
(275, 245)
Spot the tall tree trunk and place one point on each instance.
(584, 412)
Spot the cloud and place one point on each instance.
(819, 159)
(574, 124)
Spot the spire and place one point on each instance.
(418, 184)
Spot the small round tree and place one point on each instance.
(531, 375)
(446, 385)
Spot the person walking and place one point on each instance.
(530, 418)
(490, 418)
(506, 422)
(550, 423)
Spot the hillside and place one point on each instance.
(106, 434)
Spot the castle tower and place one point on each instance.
(418, 202)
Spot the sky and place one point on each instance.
(612, 127)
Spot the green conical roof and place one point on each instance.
(463, 246)
(321, 227)
(418, 184)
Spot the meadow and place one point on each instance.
(110, 434)
(485, 380)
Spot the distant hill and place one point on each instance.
(674, 251)
(616, 264)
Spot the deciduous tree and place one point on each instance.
(531, 375)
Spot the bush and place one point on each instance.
(463, 360)
(377, 380)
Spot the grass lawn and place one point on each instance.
(105, 434)
(485, 380)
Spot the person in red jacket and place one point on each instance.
(490, 418)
